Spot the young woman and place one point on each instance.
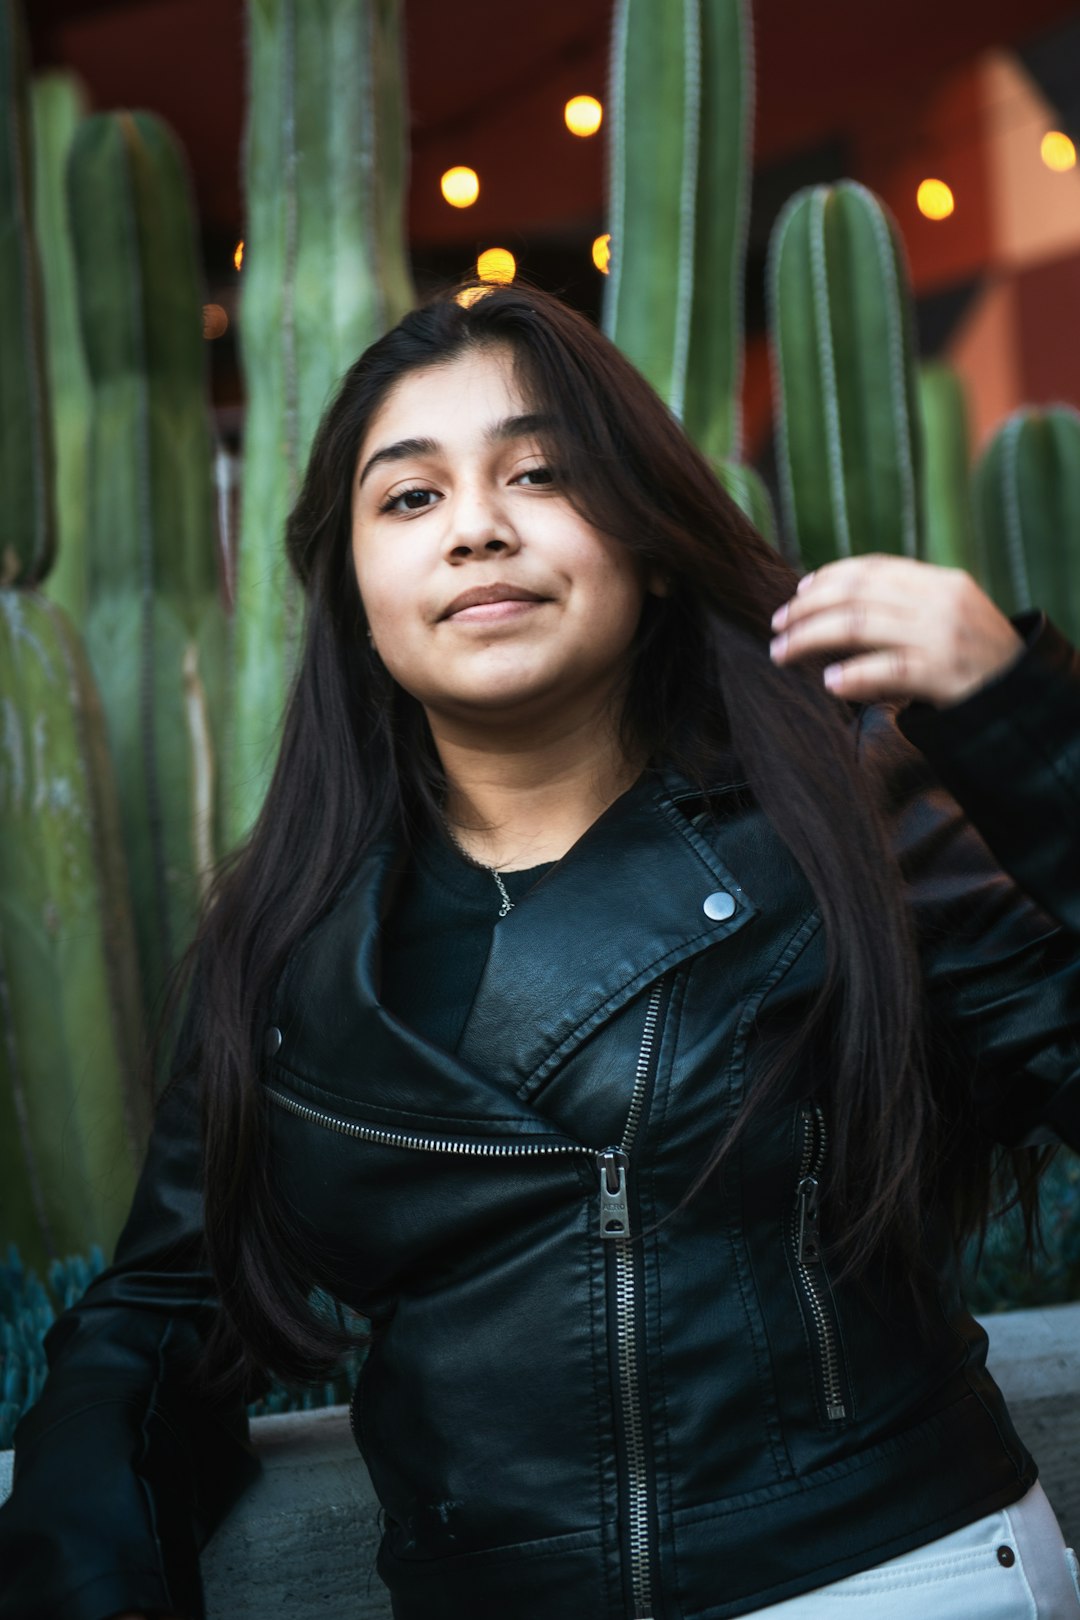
(619, 1016)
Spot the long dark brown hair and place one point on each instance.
(357, 760)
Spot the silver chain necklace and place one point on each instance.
(507, 903)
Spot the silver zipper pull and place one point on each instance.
(614, 1210)
(809, 1235)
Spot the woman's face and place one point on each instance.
(486, 594)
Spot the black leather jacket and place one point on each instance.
(577, 1404)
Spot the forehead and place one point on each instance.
(444, 400)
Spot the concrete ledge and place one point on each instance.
(301, 1544)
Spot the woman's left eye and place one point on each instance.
(547, 472)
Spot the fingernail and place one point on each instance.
(803, 583)
(778, 647)
(780, 616)
(834, 675)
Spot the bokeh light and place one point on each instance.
(601, 252)
(460, 186)
(215, 322)
(583, 115)
(1057, 151)
(238, 256)
(496, 264)
(935, 200)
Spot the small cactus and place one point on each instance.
(842, 329)
(1027, 510)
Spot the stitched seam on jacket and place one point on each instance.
(151, 1505)
(674, 1023)
(805, 930)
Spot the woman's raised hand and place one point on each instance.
(915, 630)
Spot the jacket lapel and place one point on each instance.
(640, 892)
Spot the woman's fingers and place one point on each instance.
(915, 630)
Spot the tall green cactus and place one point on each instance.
(324, 274)
(58, 102)
(28, 543)
(155, 624)
(72, 1118)
(842, 327)
(1027, 506)
(948, 528)
(681, 118)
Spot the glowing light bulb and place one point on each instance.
(496, 264)
(460, 186)
(238, 256)
(583, 115)
(1057, 151)
(215, 322)
(934, 199)
(601, 252)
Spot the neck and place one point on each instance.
(515, 801)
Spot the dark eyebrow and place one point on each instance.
(511, 427)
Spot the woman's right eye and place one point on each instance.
(391, 504)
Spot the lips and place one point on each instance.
(482, 595)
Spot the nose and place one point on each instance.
(478, 527)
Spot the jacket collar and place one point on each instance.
(620, 908)
(625, 904)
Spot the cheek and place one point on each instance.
(383, 594)
(614, 597)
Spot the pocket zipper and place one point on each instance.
(809, 1264)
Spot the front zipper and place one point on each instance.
(809, 1265)
(614, 1166)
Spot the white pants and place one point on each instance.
(1011, 1565)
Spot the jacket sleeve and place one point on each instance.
(121, 1471)
(1002, 976)
(1010, 754)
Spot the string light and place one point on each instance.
(215, 322)
(496, 264)
(1057, 151)
(460, 186)
(583, 115)
(935, 199)
(601, 252)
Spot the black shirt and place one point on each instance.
(436, 938)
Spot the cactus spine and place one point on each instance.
(58, 104)
(1027, 506)
(155, 627)
(72, 1119)
(28, 545)
(948, 530)
(842, 329)
(324, 275)
(681, 98)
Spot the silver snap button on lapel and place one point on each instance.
(719, 906)
(272, 1041)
